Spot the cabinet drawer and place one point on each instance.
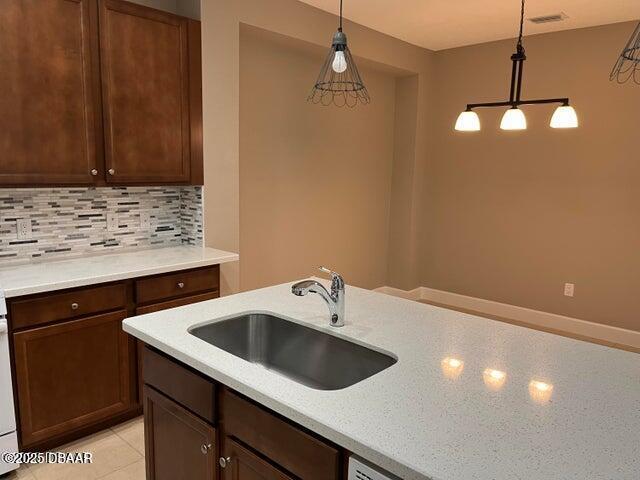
(71, 304)
(179, 284)
(178, 302)
(193, 391)
(293, 449)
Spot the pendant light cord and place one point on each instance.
(340, 28)
(520, 48)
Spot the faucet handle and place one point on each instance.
(326, 270)
(336, 279)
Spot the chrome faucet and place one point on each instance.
(335, 299)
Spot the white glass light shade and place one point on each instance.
(564, 117)
(513, 119)
(468, 121)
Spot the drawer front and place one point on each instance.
(188, 388)
(71, 304)
(296, 451)
(178, 302)
(179, 284)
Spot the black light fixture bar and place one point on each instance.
(515, 100)
(516, 103)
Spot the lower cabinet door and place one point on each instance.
(178, 444)
(242, 464)
(70, 375)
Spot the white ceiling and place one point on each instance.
(441, 24)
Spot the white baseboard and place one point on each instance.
(535, 318)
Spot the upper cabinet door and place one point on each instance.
(145, 85)
(49, 92)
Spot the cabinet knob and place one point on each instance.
(204, 448)
(224, 461)
(180, 284)
(94, 172)
(112, 171)
(74, 306)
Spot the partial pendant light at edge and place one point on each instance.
(468, 121)
(513, 119)
(564, 117)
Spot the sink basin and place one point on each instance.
(308, 356)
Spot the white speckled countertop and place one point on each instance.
(29, 278)
(438, 413)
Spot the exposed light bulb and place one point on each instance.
(564, 117)
(468, 121)
(339, 64)
(514, 119)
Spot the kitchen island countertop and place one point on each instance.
(469, 398)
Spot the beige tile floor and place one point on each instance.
(118, 454)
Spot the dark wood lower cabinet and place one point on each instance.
(242, 464)
(178, 444)
(72, 374)
(76, 371)
(253, 442)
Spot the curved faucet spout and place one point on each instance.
(334, 300)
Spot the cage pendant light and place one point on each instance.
(514, 118)
(627, 66)
(339, 82)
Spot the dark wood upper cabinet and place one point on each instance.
(50, 126)
(98, 92)
(178, 444)
(145, 89)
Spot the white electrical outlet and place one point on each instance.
(569, 288)
(23, 226)
(145, 221)
(112, 222)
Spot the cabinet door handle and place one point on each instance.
(224, 462)
(180, 284)
(74, 306)
(94, 172)
(204, 448)
(112, 171)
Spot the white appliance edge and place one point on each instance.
(8, 437)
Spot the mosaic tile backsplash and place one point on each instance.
(73, 221)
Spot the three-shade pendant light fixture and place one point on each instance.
(339, 82)
(514, 118)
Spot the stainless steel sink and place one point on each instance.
(303, 354)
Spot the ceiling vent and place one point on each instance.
(558, 17)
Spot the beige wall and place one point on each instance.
(315, 182)
(512, 216)
(505, 216)
(221, 21)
